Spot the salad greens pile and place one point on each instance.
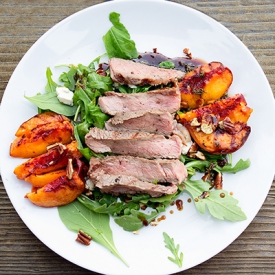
(91, 214)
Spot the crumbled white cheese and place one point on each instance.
(64, 95)
(89, 184)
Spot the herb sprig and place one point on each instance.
(170, 244)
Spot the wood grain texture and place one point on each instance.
(23, 22)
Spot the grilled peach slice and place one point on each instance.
(204, 85)
(220, 141)
(219, 128)
(54, 159)
(34, 142)
(234, 107)
(39, 120)
(59, 192)
(39, 181)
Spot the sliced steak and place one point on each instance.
(157, 170)
(153, 122)
(157, 100)
(131, 73)
(130, 185)
(140, 144)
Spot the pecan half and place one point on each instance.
(218, 181)
(209, 123)
(228, 126)
(83, 238)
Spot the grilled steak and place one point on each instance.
(130, 185)
(140, 144)
(157, 100)
(131, 73)
(153, 122)
(157, 170)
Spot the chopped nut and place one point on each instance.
(187, 53)
(197, 155)
(195, 122)
(204, 195)
(218, 181)
(209, 123)
(200, 155)
(83, 238)
(228, 126)
(194, 148)
(154, 223)
(207, 128)
(70, 169)
(58, 146)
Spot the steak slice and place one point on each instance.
(153, 122)
(157, 100)
(140, 144)
(157, 170)
(132, 73)
(130, 185)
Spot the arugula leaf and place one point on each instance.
(239, 166)
(90, 112)
(100, 208)
(117, 40)
(219, 203)
(76, 216)
(86, 152)
(135, 221)
(96, 81)
(49, 101)
(170, 244)
(51, 85)
(68, 78)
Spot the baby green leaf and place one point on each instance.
(117, 40)
(170, 244)
(49, 101)
(51, 85)
(136, 220)
(100, 208)
(219, 203)
(76, 216)
(239, 166)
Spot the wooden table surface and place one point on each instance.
(23, 22)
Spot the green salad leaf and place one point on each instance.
(170, 244)
(76, 216)
(219, 203)
(136, 220)
(49, 100)
(51, 85)
(117, 40)
(239, 166)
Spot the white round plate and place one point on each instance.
(170, 28)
